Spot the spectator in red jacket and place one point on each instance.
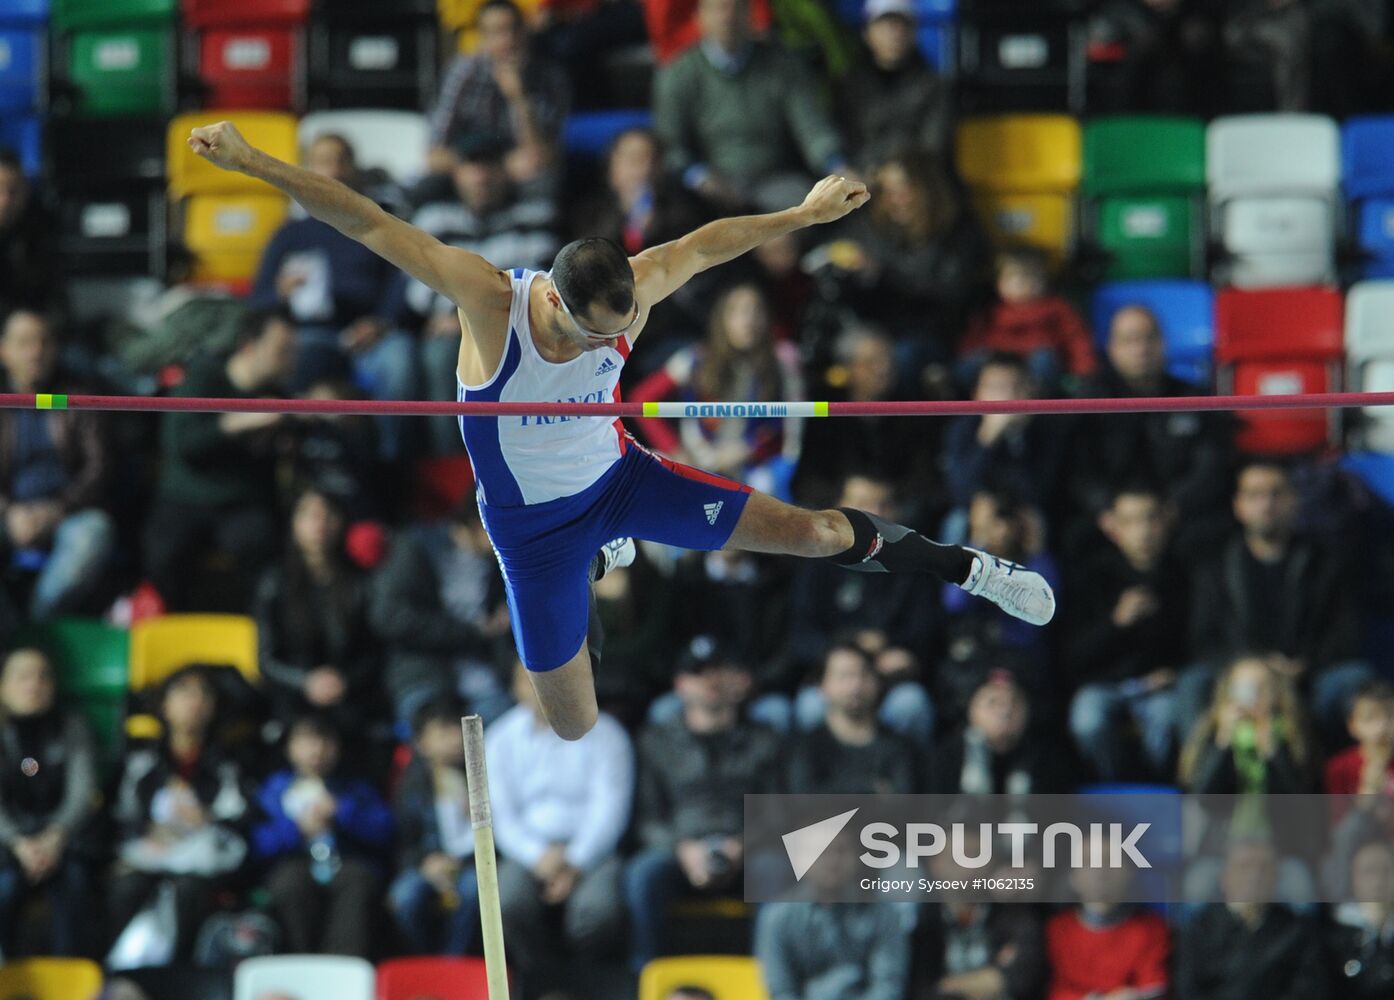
(1368, 767)
(1028, 320)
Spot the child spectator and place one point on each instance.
(48, 795)
(181, 809)
(1368, 767)
(1103, 947)
(322, 837)
(1030, 321)
(434, 839)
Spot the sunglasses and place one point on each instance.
(587, 331)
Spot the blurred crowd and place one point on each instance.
(1220, 611)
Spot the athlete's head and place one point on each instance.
(592, 294)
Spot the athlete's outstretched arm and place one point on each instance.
(462, 276)
(662, 270)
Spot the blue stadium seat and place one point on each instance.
(1367, 152)
(23, 134)
(21, 66)
(1186, 311)
(1375, 471)
(27, 12)
(588, 133)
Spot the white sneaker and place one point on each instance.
(1013, 588)
(615, 555)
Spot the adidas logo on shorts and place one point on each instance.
(713, 511)
(608, 365)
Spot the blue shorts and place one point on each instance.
(545, 549)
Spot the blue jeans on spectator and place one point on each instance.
(652, 880)
(1099, 714)
(80, 550)
(416, 908)
(67, 893)
(387, 370)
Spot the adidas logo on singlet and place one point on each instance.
(713, 510)
(608, 365)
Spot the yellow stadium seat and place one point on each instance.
(1020, 153)
(1044, 221)
(728, 977)
(271, 131)
(160, 646)
(227, 233)
(50, 979)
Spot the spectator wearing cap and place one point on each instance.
(892, 100)
(693, 773)
(740, 118)
(995, 750)
(337, 290)
(504, 89)
(487, 212)
(560, 809)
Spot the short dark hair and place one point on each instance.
(1278, 465)
(252, 326)
(445, 710)
(1377, 689)
(507, 5)
(193, 671)
(594, 270)
(1136, 488)
(314, 724)
(845, 645)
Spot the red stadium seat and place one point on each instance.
(216, 13)
(250, 67)
(1280, 342)
(440, 978)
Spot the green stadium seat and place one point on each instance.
(1142, 185)
(121, 71)
(69, 15)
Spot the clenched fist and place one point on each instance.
(221, 144)
(832, 198)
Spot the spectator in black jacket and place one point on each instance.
(693, 774)
(48, 796)
(995, 751)
(29, 275)
(1360, 938)
(1270, 589)
(850, 753)
(1245, 947)
(182, 810)
(892, 100)
(437, 606)
(1127, 637)
(1188, 454)
(436, 881)
(316, 650)
(1154, 55)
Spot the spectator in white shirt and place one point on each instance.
(559, 811)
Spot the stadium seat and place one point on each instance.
(181, 982)
(728, 977)
(1374, 234)
(1044, 221)
(1184, 309)
(1280, 342)
(1367, 155)
(69, 15)
(110, 208)
(1370, 356)
(1375, 471)
(120, 70)
(228, 232)
(305, 977)
(1274, 181)
(588, 133)
(438, 977)
(1021, 55)
(34, 13)
(1020, 153)
(1143, 179)
(91, 659)
(160, 646)
(50, 979)
(251, 66)
(374, 55)
(22, 59)
(23, 134)
(271, 131)
(224, 13)
(393, 141)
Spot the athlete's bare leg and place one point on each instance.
(566, 695)
(770, 525)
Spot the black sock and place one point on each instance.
(882, 547)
